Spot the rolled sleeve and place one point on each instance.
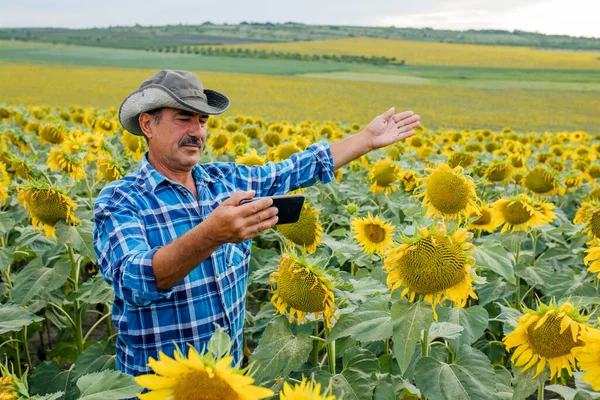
(125, 256)
(301, 170)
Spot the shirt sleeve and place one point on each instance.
(124, 254)
(302, 169)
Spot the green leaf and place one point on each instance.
(14, 318)
(364, 289)
(279, 351)
(93, 359)
(493, 255)
(80, 238)
(35, 280)
(444, 330)
(385, 391)
(538, 275)
(357, 379)
(95, 291)
(47, 378)
(523, 383)
(495, 290)
(53, 396)
(107, 385)
(7, 222)
(470, 377)
(219, 343)
(6, 258)
(371, 321)
(473, 319)
(409, 320)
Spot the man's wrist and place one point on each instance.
(366, 142)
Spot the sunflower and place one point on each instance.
(135, 146)
(547, 335)
(594, 194)
(109, 169)
(46, 206)
(542, 181)
(304, 391)
(487, 220)
(4, 182)
(588, 357)
(60, 160)
(18, 140)
(271, 139)
(50, 134)
(306, 232)
(105, 126)
(589, 214)
(251, 159)
(384, 174)
(285, 151)
(409, 181)
(448, 193)
(302, 287)
(573, 180)
(462, 159)
(8, 391)
(231, 127)
(198, 377)
(499, 171)
(373, 233)
(252, 132)
(433, 264)
(521, 212)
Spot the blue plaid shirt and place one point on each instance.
(144, 211)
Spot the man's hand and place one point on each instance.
(389, 128)
(231, 222)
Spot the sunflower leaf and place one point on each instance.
(6, 258)
(369, 322)
(524, 384)
(493, 255)
(409, 321)
(79, 237)
(279, 351)
(107, 385)
(473, 319)
(36, 280)
(14, 318)
(470, 377)
(94, 291)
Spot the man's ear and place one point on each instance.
(145, 121)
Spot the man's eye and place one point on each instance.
(183, 119)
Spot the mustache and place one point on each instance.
(190, 140)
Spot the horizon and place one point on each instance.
(575, 18)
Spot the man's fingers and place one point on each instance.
(255, 229)
(402, 129)
(255, 207)
(400, 116)
(406, 135)
(238, 196)
(263, 215)
(407, 121)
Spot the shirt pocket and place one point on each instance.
(237, 259)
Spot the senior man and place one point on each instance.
(172, 238)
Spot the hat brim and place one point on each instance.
(152, 97)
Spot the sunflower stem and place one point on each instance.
(17, 349)
(26, 348)
(540, 395)
(315, 349)
(77, 306)
(534, 249)
(109, 325)
(425, 344)
(330, 352)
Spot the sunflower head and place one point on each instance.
(499, 171)
(522, 212)
(51, 134)
(304, 391)
(588, 356)
(573, 180)
(487, 220)
(594, 194)
(135, 146)
(198, 377)
(252, 158)
(61, 160)
(542, 181)
(105, 126)
(109, 169)
(373, 233)
(285, 150)
(589, 214)
(219, 142)
(547, 334)
(231, 127)
(47, 205)
(433, 264)
(461, 158)
(252, 132)
(384, 175)
(306, 232)
(271, 138)
(449, 193)
(302, 286)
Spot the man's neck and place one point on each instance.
(180, 176)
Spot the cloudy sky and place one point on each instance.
(571, 17)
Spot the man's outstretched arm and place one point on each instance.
(384, 130)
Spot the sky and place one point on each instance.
(569, 17)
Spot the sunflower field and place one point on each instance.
(458, 264)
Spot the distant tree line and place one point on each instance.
(276, 55)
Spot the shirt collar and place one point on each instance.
(153, 178)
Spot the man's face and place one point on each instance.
(177, 138)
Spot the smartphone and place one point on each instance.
(289, 207)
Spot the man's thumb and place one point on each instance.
(386, 115)
(238, 196)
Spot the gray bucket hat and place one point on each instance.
(168, 88)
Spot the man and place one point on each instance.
(173, 239)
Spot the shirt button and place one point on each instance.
(218, 276)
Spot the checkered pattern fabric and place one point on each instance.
(143, 211)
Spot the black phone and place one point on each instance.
(289, 207)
